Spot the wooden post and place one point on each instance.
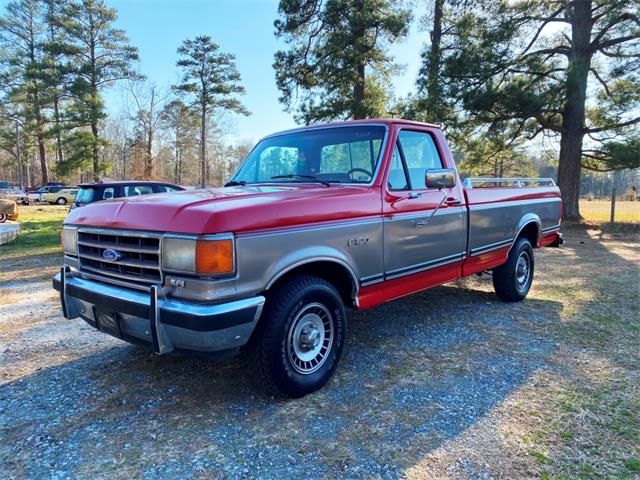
(613, 203)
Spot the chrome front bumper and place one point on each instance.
(166, 324)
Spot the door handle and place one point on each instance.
(415, 194)
(453, 201)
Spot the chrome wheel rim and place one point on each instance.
(310, 338)
(523, 269)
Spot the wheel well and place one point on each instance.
(531, 232)
(336, 274)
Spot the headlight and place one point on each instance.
(69, 240)
(207, 255)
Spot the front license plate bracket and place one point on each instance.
(107, 322)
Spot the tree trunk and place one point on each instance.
(176, 167)
(56, 116)
(203, 146)
(573, 115)
(94, 151)
(433, 90)
(42, 152)
(359, 110)
(148, 170)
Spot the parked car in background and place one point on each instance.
(4, 185)
(61, 197)
(96, 191)
(14, 194)
(39, 195)
(48, 184)
(8, 210)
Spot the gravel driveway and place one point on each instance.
(417, 376)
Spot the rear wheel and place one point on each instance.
(61, 201)
(512, 280)
(299, 340)
(3, 217)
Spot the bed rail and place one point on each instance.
(514, 182)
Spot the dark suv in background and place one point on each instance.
(94, 192)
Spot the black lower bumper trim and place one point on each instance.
(178, 319)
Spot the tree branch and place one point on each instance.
(540, 28)
(613, 127)
(611, 24)
(615, 41)
(602, 82)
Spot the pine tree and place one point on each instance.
(212, 80)
(181, 123)
(337, 65)
(580, 85)
(22, 34)
(99, 55)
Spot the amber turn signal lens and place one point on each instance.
(214, 256)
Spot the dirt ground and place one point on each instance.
(449, 383)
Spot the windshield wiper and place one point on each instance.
(233, 183)
(310, 177)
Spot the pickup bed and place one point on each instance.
(315, 220)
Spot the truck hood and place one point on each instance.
(231, 209)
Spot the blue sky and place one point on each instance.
(241, 27)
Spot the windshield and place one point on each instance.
(85, 195)
(328, 155)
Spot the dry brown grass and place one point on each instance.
(599, 211)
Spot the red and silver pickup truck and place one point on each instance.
(315, 220)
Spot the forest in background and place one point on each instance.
(521, 87)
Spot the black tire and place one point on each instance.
(512, 280)
(61, 201)
(280, 335)
(3, 218)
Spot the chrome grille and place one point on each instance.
(139, 263)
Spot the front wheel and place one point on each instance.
(298, 343)
(512, 280)
(3, 217)
(61, 201)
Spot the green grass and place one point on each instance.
(39, 231)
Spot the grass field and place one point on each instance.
(40, 231)
(599, 211)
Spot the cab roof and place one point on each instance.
(116, 183)
(347, 123)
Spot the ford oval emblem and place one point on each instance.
(111, 255)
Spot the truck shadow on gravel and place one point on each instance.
(415, 373)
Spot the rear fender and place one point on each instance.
(525, 221)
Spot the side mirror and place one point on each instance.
(440, 178)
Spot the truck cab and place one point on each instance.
(315, 221)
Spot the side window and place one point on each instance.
(397, 177)
(107, 193)
(420, 154)
(164, 189)
(133, 190)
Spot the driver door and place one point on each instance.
(424, 229)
